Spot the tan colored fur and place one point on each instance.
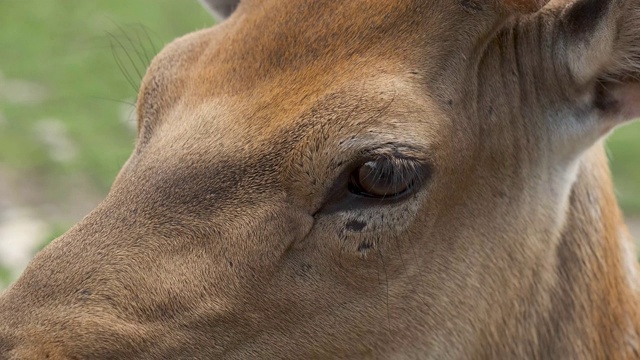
(224, 235)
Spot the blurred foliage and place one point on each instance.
(70, 69)
(624, 152)
(88, 57)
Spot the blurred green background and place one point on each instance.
(68, 76)
(69, 71)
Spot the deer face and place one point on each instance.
(336, 179)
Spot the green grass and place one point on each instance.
(5, 277)
(68, 47)
(624, 151)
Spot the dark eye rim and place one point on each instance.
(356, 186)
(340, 197)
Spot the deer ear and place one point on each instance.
(221, 9)
(601, 42)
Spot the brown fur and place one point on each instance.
(230, 232)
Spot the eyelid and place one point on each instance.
(400, 151)
(338, 192)
(402, 178)
(358, 150)
(396, 158)
(382, 143)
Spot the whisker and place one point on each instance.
(131, 62)
(147, 58)
(129, 117)
(397, 241)
(386, 275)
(113, 100)
(153, 46)
(121, 66)
(137, 51)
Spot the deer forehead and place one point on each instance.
(385, 69)
(194, 90)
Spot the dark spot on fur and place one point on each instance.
(304, 270)
(6, 344)
(603, 101)
(355, 225)
(450, 103)
(472, 5)
(85, 294)
(364, 246)
(230, 263)
(584, 17)
(501, 194)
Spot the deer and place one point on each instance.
(364, 179)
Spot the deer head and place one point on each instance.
(359, 179)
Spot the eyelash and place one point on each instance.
(384, 178)
(341, 195)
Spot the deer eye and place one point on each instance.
(383, 178)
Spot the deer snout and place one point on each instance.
(15, 346)
(23, 338)
(33, 329)
(6, 345)
(35, 353)
(62, 341)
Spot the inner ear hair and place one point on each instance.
(603, 47)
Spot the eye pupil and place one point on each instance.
(381, 179)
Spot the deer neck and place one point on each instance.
(596, 294)
(591, 307)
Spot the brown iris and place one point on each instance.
(382, 178)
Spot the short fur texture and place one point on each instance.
(231, 232)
